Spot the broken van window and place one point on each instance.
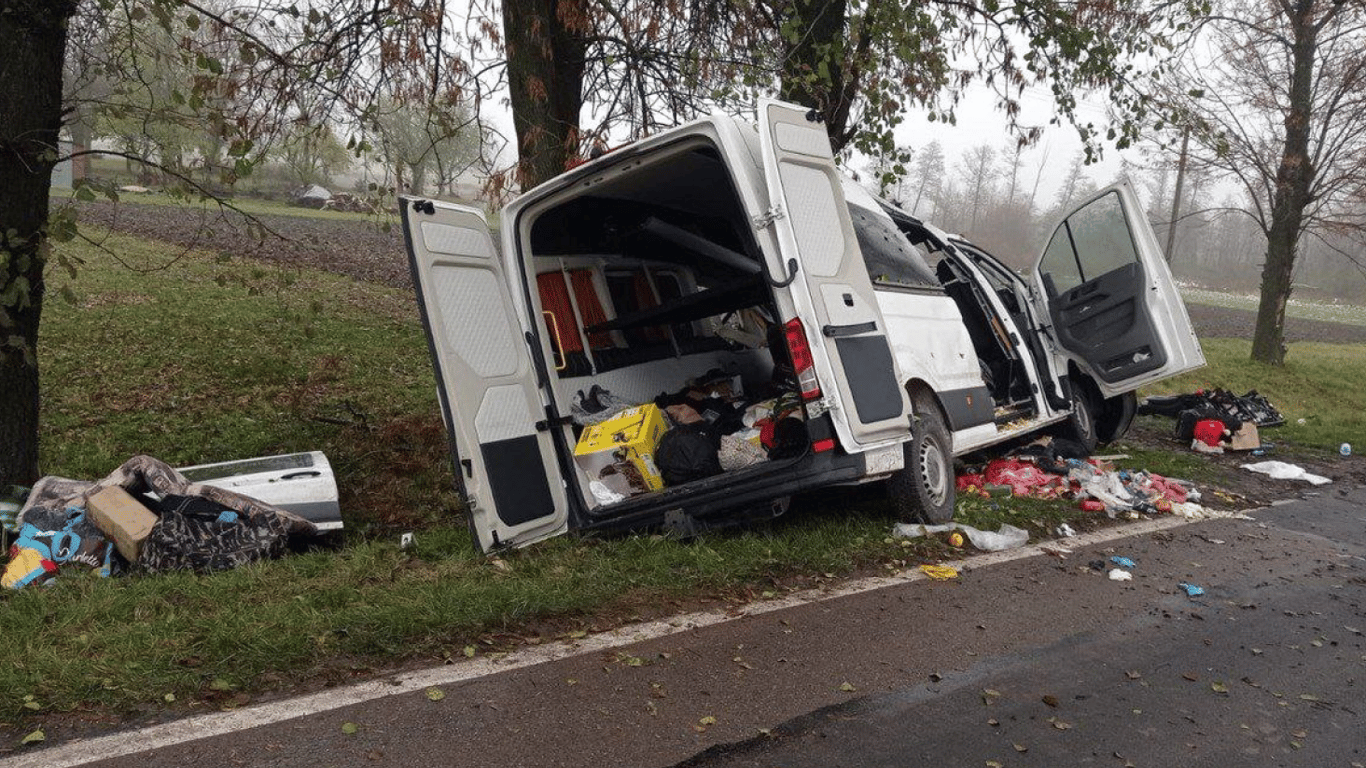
(889, 256)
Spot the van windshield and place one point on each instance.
(889, 256)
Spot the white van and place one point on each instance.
(721, 248)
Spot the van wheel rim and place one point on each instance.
(932, 474)
(1083, 416)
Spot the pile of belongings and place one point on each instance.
(145, 516)
(1059, 469)
(1215, 419)
(704, 429)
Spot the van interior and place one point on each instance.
(651, 291)
(1004, 364)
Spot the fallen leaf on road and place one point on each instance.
(1191, 676)
(435, 694)
(469, 651)
(1021, 748)
(1299, 733)
(708, 720)
(1133, 674)
(993, 722)
(1309, 697)
(847, 687)
(1218, 687)
(994, 764)
(1050, 700)
(350, 729)
(1060, 725)
(35, 737)
(940, 572)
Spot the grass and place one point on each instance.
(198, 359)
(206, 360)
(1319, 385)
(1330, 311)
(251, 205)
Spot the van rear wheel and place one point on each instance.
(924, 491)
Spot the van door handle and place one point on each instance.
(837, 331)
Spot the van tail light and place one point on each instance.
(803, 364)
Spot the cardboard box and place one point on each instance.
(1246, 438)
(120, 517)
(629, 436)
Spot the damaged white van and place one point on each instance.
(688, 330)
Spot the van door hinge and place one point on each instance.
(768, 217)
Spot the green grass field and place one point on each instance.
(205, 360)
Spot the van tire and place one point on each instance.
(1081, 426)
(923, 491)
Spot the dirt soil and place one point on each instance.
(364, 250)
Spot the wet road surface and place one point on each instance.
(1037, 661)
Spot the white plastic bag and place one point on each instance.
(1007, 537)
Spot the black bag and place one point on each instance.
(686, 453)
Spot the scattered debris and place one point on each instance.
(1122, 562)
(1119, 574)
(1280, 470)
(1191, 589)
(144, 515)
(1007, 537)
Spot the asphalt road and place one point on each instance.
(1035, 661)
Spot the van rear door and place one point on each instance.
(854, 363)
(1112, 301)
(488, 382)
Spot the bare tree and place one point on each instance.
(1277, 92)
(978, 168)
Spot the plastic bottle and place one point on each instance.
(1345, 449)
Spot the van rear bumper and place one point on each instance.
(732, 497)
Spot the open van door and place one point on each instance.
(856, 372)
(487, 380)
(1111, 299)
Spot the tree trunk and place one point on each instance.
(33, 37)
(546, 44)
(812, 71)
(1291, 195)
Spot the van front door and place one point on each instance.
(854, 363)
(1112, 301)
(487, 379)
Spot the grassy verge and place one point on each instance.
(1308, 309)
(204, 360)
(251, 205)
(1318, 389)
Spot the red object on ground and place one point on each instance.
(1091, 505)
(1024, 478)
(1210, 432)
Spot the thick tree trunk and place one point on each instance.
(1293, 179)
(813, 73)
(545, 53)
(33, 38)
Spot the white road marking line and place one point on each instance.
(83, 751)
